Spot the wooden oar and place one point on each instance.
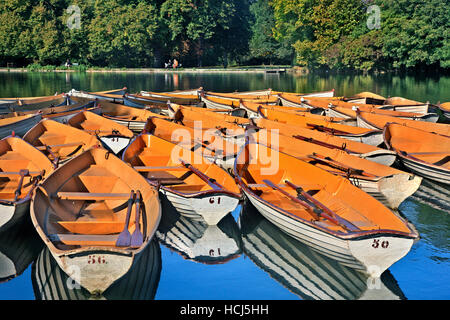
(168, 168)
(71, 144)
(124, 239)
(327, 213)
(23, 173)
(137, 238)
(210, 181)
(339, 165)
(311, 209)
(324, 144)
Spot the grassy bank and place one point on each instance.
(81, 68)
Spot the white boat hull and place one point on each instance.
(429, 171)
(12, 214)
(208, 208)
(372, 255)
(20, 127)
(115, 143)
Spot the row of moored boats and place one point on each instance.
(93, 169)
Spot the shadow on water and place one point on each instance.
(304, 272)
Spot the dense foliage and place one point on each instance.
(324, 34)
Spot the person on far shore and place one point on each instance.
(175, 63)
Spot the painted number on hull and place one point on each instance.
(93, 259)
(211, 200)
(211, 252)
(376, 244)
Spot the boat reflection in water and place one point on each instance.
(19, 247)
(50, 282)
(433, 194)
(304, 272)
(197, 241)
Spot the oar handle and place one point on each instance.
(131, 201)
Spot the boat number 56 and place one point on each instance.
(376, 243)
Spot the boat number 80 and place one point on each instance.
(376, 243)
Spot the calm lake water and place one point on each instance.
(245, 256)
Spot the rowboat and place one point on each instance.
(373, 137)
(289, 116)
(197, 241)
(324, 211)
(18, 124)
(113, 136)
(182, 92)
(377, 121)
(231, 128)
(339, 108)
(22, 167)
(132, 118)
(361, 150)
(266, 99)
(78, 104)
(212, 102)
(19, 247)
(197, 188)
(402, 104)
(424, 153)
(115, 95)
(148, 97)
(318, 94)
(59, 142)
(304, 272)
(350, 113)
(137, 101)
(208, 143)
(27, 104)
(366, 97)
(445, 109)
(82, 212)
(64, 117)
(50, 282)
(253, 108)
(388, 185)
(296, 100)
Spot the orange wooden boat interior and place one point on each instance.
(22, 168)
(247, 97)
(59, 142)
(151, 155)
(196, 187)
(98, 125)
(201, 118)
(423, 152)
(328, 140)
(373, 120)
(189, 138)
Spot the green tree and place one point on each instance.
(263, 47)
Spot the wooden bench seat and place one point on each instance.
(84, 240)
(92, 196)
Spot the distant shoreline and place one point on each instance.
(161, 70)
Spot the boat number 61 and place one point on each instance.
(211, 200)
(376, 243)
